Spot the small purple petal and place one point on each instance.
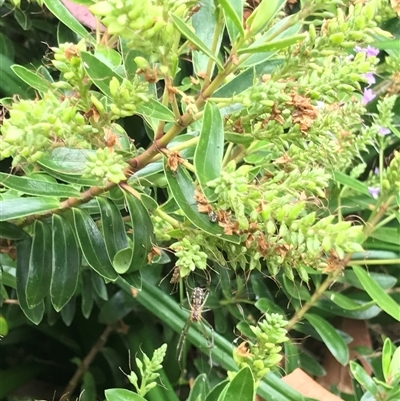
(374, 191)
(376, 171)
(369, 76)
(383, 131)
(368, 95)
(371, 51)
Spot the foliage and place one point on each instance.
(257, 159)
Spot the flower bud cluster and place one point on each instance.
(67, 59)
(263, 353)
(34, 125)
(161, 228)
(148, 371)
(126, 96)
(189, 254)
(391, 180)
(106, 165)
(276, 222)
(145, 24)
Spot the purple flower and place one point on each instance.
(383, 131)
(369, 50)
(369, 76)
(374, 191)
(368, 95)
(376, 171)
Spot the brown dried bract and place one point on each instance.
(230, 228)
(155, 251)
(243, 350)
(304, 112)
(174, 159)
(202, 203)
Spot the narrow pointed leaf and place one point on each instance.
(65, 263)
(273, 45)
(182, 189)
(233, 11)
(35, 315)
(30, 186)
(58, 9)
(11, 209)
(113, 228)
(31, 78)
(87, 294)
(330, 337)
(191, 37)
(68, 312)
(143, 233)
(382, 299)
(210, 149)
(11, 231)
(39, 273)
(92, 245)
(121, 394)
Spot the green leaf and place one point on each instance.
(154, 109)
(133, 279)
(297, 291)
(68, 312)
(113, 228)
(330, 337)
(99, 72)
(31, 78)
(92, 245)
(210, 149)
(199, 388)
(362, 377)
(39, 272)
(189, 35)
(347, 303)
(117, 307)
(121, 394)
(66, 263)
(99, 285)
(11, 231)
(216, 391)
(382, 299)
(241, 387)
(87, 294)
(261, 16)
(35, 315)
(233, 11)
(351, 182)
(182, 189)
(58, 9)
(273, 45)
(34, 187)
(387, 352)
(143, 233)
(11, 209)
(205, 22)
(387, 234)
(283, 29)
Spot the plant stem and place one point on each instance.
(84, 366)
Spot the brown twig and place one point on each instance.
(84, 366)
